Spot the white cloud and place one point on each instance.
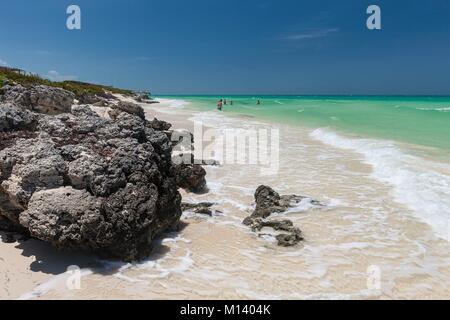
(312, 34)
(55, 76)
(3, 63)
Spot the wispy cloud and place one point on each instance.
(311, 34)
(56, 76)
(3, 63)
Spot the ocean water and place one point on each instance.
(417, 120)
(406, 140)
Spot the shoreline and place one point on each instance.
(385, 148)
(183, 263)
(317, 113)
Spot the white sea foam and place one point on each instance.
(420, 184)
(440, 109)
(174, 103)
(161, 271)
(304, 205)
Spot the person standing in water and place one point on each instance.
(219, 105)
(259, 102)
(225, 101)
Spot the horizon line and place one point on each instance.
(300, 95)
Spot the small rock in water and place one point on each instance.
(268, 201)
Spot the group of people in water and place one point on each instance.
(223, 102)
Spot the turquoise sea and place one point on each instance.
(406, 140)
(423, 121)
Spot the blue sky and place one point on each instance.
(234, 46)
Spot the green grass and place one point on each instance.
(78, 88)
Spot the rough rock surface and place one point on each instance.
(268, 201)
(42, 99)
(144, 98)
(80, 181)
(160, 125)
(87, 98)
(130, 108)
(190, 177)
(289, 235)
(13, 119)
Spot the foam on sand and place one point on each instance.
(420, 184)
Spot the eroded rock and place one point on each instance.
(41, 99)
(79, 181)
(190, 177)
(268, 202)
(130, 108)
(160, 125)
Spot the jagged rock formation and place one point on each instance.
(144, 98)
(79, 181)
(130, 108)
(289, 236)
(42, 99)
(98, 99)
(268, 202)
(190, 177)
(160, 125)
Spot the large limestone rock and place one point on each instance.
(79, 181)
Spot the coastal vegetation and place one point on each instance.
(78, 88)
